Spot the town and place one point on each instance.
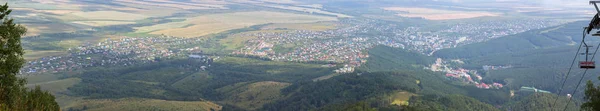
(121, 52)
(345, 45)
(462, 75)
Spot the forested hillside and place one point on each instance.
(541, 102)
(562, 35)
(383, 58)
(538, 58)
(449, 103)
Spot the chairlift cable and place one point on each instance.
(582, 76)
(569, 72)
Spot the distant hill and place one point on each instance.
(387, 71)
(539, 58)
(563, 35)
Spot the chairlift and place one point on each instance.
(595, 23)
(586, 63)
(596, 34)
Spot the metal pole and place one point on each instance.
(596, 6)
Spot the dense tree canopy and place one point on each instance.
(592, 96)
(14, 96)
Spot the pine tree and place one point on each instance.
(14, 96)
(592, 96)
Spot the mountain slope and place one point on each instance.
(541, 102)
(563, 35)
(383, 58)
(449, 103)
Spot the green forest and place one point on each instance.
(365, 89)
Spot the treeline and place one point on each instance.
(14, 95)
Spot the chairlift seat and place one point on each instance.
(596, 34)
(587, 64)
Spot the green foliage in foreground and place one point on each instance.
(448, 103)
(541, 102)
(14, 96)
(592, 96)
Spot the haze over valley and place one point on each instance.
(286, 55)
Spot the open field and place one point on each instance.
(147, 10)
(161, 27)
(325, 77)
(255, 95)
(42, 78)
(247, 61)
(196, 30)
(30, 54)
(36, 29)
(214, 23)
(103, 23)
(436, 14)
(171, 4)
(202, 3)
(321, 26)
(104, 15)
(307, 10)
(237, 41)
(401, 98)
(142, 104)
(57, 85)
(199, 77)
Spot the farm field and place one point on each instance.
(129, 104)
(57, 85)
(307, 10)
(103, 23)
(171, 4)
(37, 29)
(214, 23)
(104, 15)
(320, 26)
(161, 27)
(437, 14)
